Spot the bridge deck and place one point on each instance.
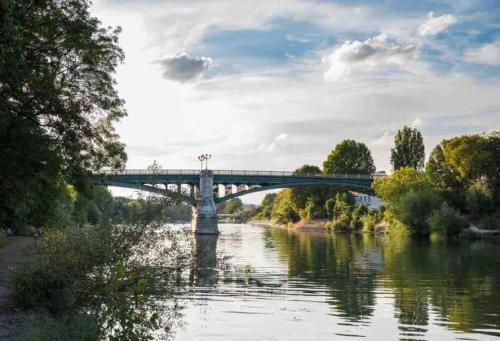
(231, 172)
(255, 181)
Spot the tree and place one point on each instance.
(233, 205)
(349, 157)
(444, 177)
(283, 211)
(391, 188)
(409, 149)
(58, 100)
(307, 199)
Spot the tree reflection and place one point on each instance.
(346, 264)
(460, 282)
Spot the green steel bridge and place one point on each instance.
(235, 183)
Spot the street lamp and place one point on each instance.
(201, 158)
(204, 157)
(207, 157)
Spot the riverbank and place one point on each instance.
(472, 231)
(13, 321)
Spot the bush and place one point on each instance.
(81, 327)
(357, 213)
(104, 274)
(368, 222)
(413, 209)
(341, 223)
(446, 221)
(491, 222)
(478, 199)
(4, 240)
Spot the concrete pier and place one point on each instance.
(204, 216)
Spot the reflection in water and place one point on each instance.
(345, 285)
(204, 272)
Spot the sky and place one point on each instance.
(273, 85)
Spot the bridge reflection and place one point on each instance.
(204, 270)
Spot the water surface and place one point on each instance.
(285, 285)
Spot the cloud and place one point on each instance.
(183, 68)
(416, 122)
(434, 25)
(278, 140)
(487, 54)
(374, 54)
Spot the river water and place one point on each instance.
(286, 285)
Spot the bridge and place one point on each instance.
(204, 188)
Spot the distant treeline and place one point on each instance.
(459, 182)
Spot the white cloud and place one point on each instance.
(377, 54)
(281, 137)
(183, 68)
(486, 54)
(416, 122)
(434, 25)
(278, 140)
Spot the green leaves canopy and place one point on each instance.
(58, 102)
(349, 157)
(409, 149)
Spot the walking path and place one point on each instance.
(13, 321)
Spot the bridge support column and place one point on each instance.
(204, 218)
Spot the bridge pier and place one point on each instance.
(204, 214)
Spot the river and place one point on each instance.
(287, 285)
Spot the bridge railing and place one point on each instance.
(231, 172)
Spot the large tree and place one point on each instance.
(408, 149)
(312, 196)
(58, 100)
(349, 157)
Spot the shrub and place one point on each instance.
(413, 209)
(107, 274)
(4, 240)
(369, 221)
(341, 223)
(446, 221)
(478, 199)
(357, 213)
(491, 222)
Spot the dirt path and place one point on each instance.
(13, 321)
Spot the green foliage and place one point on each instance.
(58, 99)
(357, 214)
(330, 208)
(408, 149)
(265, 210)
(313, 210)
(283, 211)
(491, 221)
(446, 221)
(4, 240)
(233, 205)
(344, 202)
(341, 223)
(368, 222)
(349, 157)
(444, 177)
(308, 201)
(106, 275)
(470, 156)
(479, 199)
(391, 188)
(413, 209)
(410, 198)
(81, 327)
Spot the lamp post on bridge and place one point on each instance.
(204, 158)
